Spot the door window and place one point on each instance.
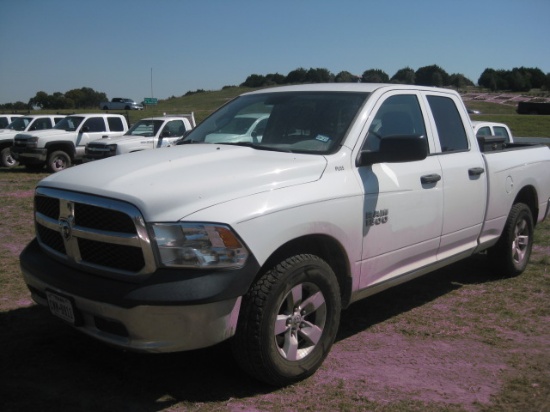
(399, 115)
(450, 127)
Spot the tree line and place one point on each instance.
(520, 79)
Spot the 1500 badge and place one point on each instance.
(377, 217)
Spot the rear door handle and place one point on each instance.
(476, 171)
(433, 178)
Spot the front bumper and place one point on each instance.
(26, 155)
(170, 311)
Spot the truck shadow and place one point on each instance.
(48, 366)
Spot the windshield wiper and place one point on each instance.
(257, 146)
(190, 141)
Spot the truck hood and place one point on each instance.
(170, 184)
(44, 133)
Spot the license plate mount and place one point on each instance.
(63, 307)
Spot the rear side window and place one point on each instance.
(502, 132)
(484, 131)
(450, 127)
(115, 124)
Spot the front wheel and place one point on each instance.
(513, 250)
(6, 159)
(288, 321)
(58, 161)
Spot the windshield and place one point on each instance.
(300, 122)
(19, 124)
(69, 123)
(145, 128)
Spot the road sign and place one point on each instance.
(150, 100)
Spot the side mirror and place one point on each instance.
(84, 129)
(396, 149)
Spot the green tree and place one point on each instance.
(346, 77)
(375, 76)
(431, 76)
(318, 75)
(296, 76)
(404, 76)
(459, 81)
(254, 80)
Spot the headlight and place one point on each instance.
(32, 142)
(199, 245)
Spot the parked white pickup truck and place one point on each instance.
(120, 103)
(353, 188)
(488, 129)
(149, 133)
(23, 124)
(60, 147)
(6, 119)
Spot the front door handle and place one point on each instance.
(433, 178)
(476, 171)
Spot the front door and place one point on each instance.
(403, 202)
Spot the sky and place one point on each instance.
(164, 48)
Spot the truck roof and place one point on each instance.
(348, 87)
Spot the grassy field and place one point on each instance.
(460, 339)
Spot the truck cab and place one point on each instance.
(146, 134)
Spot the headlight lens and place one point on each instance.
(32, 142)
(199, 245)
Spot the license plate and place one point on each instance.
(61, 307)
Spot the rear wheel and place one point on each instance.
(58, 161)
(6, 159)
(513, 250)
(288, 321)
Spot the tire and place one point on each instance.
(511, 254)
(288, 321)
(6, 159)
(58, 161)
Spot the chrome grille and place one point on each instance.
(93, 233)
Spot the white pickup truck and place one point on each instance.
(6, 119)
(492, 129)
(352, 189)
(22, 124)
(149, 133)
(64, 144)
(120, 103)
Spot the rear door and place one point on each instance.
(463, 175)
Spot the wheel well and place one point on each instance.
(528, 195)
(4, 145)
(67, 148)
(324, 247)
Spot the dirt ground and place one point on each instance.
(459, 339)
